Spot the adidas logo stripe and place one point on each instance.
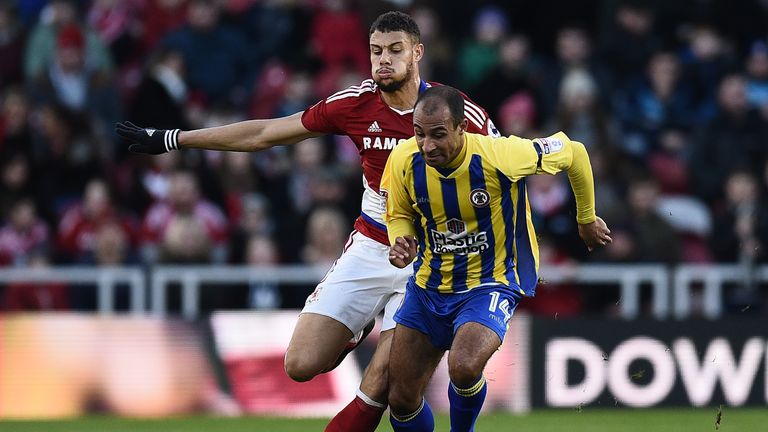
(374, 127)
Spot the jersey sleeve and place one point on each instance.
(327, 116)
(399, 215)
(518, 157)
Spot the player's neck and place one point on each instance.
(460, 155)
(405, 98)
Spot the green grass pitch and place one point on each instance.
(585, 420)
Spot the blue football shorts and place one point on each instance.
(440, 315)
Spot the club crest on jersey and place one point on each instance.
(550, 145)
(479, 198)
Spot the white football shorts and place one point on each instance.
(359, 285)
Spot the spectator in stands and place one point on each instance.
(654, 239)
(262, 251)
(757, 76)
(514, 72)
(648, 104)
(69, 157)
(479, 54)
(218, 58)
(42, 42)
(12, 39)
(15, 132)
(162, 94)
(15, 183)
(81, 222)
(337, 39)
(736, 225)
(438, 61)
(630, 41)
(254, 219)
(326, 234)
(574, 51)
(669, 163)
(158, 18)
(23, 236)
(517, 115)
(581, 115)
(69, 82)
(117, 24)
(733, 139)
(186, 227)
(705, 60)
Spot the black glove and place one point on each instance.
(148, 140)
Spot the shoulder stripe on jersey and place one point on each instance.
(352, 89)
(365, 86)
(476, 109)
(472, 117)
(349, 94)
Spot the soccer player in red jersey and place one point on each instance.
(376, 115)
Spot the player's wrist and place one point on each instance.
(171, 139)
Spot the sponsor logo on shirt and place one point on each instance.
(374, 127)
(457, 240)
(379, 143)
(550, 145)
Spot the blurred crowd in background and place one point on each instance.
(670, 98)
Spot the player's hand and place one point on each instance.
(148, 140)
(403, 251)
(595, 234)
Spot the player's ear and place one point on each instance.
(463, 124)
(418, 51)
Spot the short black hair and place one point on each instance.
(436, 96)
(396, 21)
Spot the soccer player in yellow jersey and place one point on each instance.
(456, 202)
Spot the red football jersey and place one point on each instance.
(376, 128)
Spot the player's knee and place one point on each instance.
(464, 372)
(299, 368)
(402, 401)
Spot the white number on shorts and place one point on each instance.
(503, 306)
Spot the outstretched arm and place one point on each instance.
(250, 135)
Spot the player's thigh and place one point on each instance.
(473, 346)
(375, 378)
(479, 329)
(317, 339)
(358, 286)
(412, 361)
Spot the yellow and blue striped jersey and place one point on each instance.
(473, 224)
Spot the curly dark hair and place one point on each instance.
(395, 21)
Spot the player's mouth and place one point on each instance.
(385, 73)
